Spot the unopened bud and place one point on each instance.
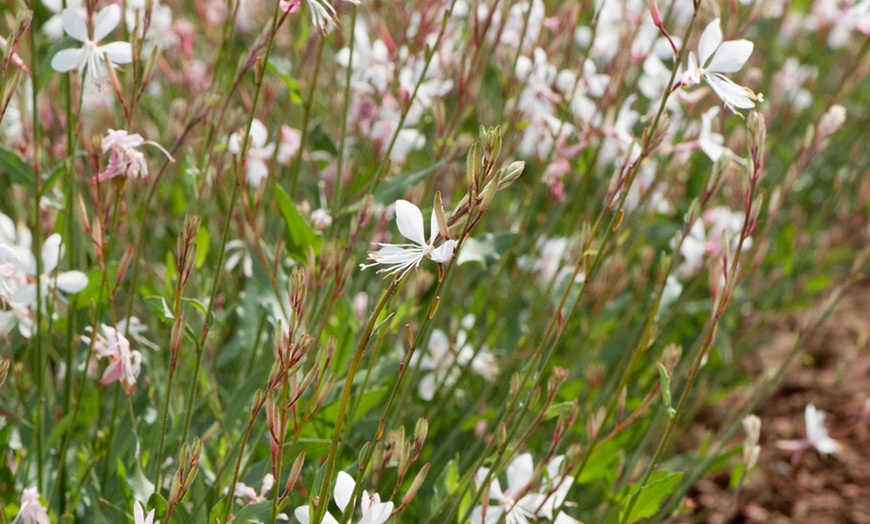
(294, 472)
(501, 435)
(438, 211)
(415, 486)
(510, 173)
(751, 449)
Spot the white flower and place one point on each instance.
(710, 142)
(53, 27)
(444, 364)
(716, 57)
(816, 432)
(19, 293)
(260, 153)
(91, 59)
(516, 504)
(32, 511)
(139, 516)
(373, 510)
(244, 491)
(403, 257)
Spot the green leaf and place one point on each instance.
(392, 189)
(256, 512)
(302, 237)
(649, 497)
(666, 388)
(18, 170)
(202, 240)
(486, 249)
(292, 85)
(158, 305)
(321, 141)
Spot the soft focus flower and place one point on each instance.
(19, 284)
(817, 435)
(816, 432)
(244, 491)
(373, 510)
(444, 364)
(124, 158)
(260, 153)
(751, 449)
(403, 257)
(716, 57)
(139, 516)
(91, 58)
(517, 503)
(53, 27)
(32, 511)
(124, 363)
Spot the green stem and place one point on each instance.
(345, 398)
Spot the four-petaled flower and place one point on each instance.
(373, 510)
(124, 158)
(715, 58)
(91, 59)
(260, 153)
(519, 504)
(32, 511)
(124, 363)
(403, 257)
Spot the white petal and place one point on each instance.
(519, 472)
(493, 515)
(259, 134)
(433, 227)
(731, 56)
(66, 60)
(107, 20)
(410, 222)
(732, 94)
(710, 40)
(444, 252)
(118, 52)
(74, 25)
(344, 485)
(257, 172)
(72, 281)
(51, 253)
(426, 387)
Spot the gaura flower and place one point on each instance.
(817, 435)
(403, 257)
(32, 511)
(124, 158)
(517, 504)
(260, 153)
(139, 516)
(373, 510)
(91, 59)
(816, 432)
(124, 363)
(715, 58)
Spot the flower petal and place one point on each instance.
(51, 253)
(344, 485)
(710, 40)
(66, 60)
(444, 252)
(118, 53)
(72, 281)
(732, 94)
(107, 20)
(410, 222)
(731, 56)
(74, 25)
(259, 134)
(519, 473)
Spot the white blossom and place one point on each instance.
(92, 59)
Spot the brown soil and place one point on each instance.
(834, 374)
